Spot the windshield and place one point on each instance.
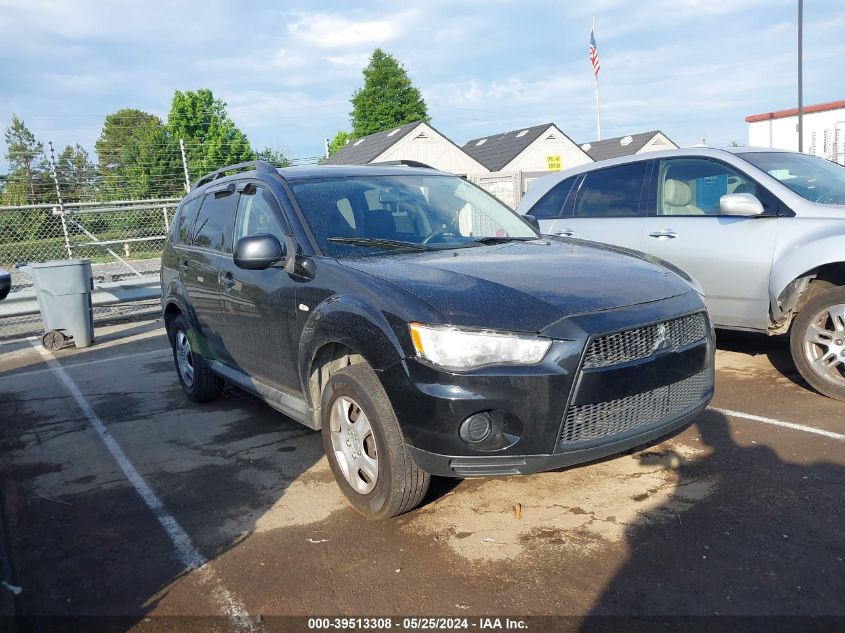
(373, 214)
(811, 177)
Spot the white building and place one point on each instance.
(413, 141)
(824, 130)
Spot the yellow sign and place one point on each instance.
(553, 162)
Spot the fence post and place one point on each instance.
(59, 196)
(166, 220)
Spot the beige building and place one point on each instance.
(539, 148)
(413, 141)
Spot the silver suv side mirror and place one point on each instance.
(740, 204)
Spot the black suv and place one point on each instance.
(424, 327)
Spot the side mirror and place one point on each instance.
(740, 204)
(258, 252)
(532, 221)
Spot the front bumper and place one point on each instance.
(431, 404)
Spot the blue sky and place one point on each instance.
(693, 68)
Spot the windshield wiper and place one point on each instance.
(501, 240)
(379, 243)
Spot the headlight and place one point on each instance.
(452, 348)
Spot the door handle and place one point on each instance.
(566, 232)
(227, 280)
(183, 264)
(664, 234)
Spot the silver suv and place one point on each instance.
(761, 231)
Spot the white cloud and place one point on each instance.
(326, 30)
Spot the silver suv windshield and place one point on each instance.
(811, 177)
(363, 215)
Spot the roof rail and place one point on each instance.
(257, 165)
(405, 162)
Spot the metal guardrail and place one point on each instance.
(141, 289)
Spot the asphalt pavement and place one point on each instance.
(122, 498)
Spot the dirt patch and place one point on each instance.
(576, 510)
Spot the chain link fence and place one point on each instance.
(123, 240)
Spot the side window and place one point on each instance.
(550, 205)
(611, 192)
(693, 186)
(185, 220)
(213, 226)
(257, 213)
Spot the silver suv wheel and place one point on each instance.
(354, 444)
(824, 344)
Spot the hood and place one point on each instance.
(524, 286)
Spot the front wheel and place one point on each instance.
(365, 446)
(817, 342)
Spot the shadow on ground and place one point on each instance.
(767, 540)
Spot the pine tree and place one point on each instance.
(28, 178)
(387, 99)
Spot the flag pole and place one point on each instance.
(598, 109)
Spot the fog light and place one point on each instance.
(476, 428)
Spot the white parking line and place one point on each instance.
(161, 352)
(781, 423)
(229, 604)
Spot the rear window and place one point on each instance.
(550, 206)
(611, 192)
(185, 220)
(213, 226)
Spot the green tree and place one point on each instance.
(340, 139)
(76, 174)
(28, 180)
(387, 99)
(272, 156)
(137, 157)
(211, 138)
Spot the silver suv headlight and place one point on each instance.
(454, 348)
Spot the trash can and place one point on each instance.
(63, 289)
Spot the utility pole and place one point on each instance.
(800, 75)
(327, 148)
(185, 166)
(54, 173)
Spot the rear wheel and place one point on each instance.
(198, 382)
(817, 342)
(365, 446)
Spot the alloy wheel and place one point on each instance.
(354, 444)
(184, 358)
(824, 344)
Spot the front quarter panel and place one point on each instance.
(803, 244)
(364, 313)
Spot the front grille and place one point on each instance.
(594, 421)
(642, 342)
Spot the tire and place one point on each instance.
(200, 384)
(399, 484)
(818, 334)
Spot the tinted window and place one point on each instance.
(693, 186)
(257, 213)
(213, 226)
(550, 205)
(185, 219)
(611, 192)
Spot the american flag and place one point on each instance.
(594, 54)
